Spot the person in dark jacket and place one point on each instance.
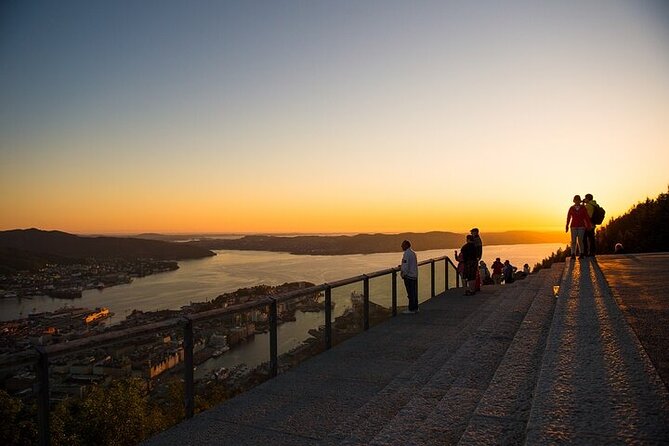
(479, 255)
(509, 271)
(409, 273)
(497, 271)
(468, 257)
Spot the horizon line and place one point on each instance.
(272, 233)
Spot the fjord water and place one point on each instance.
(204, 279)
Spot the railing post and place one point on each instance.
(365, 304)
(189, 389)
(328, 317)
(42, 372)
(432, 287)
(394, 292)
(273, 339)
(446, 272)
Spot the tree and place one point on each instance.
(17, 423)
(118, 415)
(642, 229)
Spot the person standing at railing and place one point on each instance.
(409, 272)
(468, 257)
(479, 255)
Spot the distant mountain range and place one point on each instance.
(29, 249)
(371, 243)
(34, 246)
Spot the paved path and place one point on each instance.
(640, 285)
(511, 365)
(597, 385)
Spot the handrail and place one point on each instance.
(106, 338)
(436, 259)
(348, 281)
(232, 309)
(42, 354)
(383, 272)
(288, 295)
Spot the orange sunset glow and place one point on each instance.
(330, 117)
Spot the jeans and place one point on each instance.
(590, 241)
(412, 291)
(577, 237)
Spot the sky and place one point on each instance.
(328, 116)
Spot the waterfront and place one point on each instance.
(230, 350)
(204, 279)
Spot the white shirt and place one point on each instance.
(409, 268)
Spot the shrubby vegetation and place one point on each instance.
(644, 228)
(17, 421)
(120, 414)
(555, 257)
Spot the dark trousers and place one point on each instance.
(590, 241)
(412, 292)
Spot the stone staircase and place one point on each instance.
(504, 409)
(456, 383)
(465, 370)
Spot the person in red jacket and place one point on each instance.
(578, 220)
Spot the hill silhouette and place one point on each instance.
(641, 229)
(35, 244)
(370, 243)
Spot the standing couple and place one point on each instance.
(579, 220)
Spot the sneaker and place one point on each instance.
(408, 312)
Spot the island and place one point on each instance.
(368, 243)
(61, 265)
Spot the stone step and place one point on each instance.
(372, 416)
(502, 413)
(445, 371)
(440, 412)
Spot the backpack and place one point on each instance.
(598, 214)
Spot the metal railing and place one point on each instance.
(43, 354)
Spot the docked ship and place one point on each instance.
(97, 315)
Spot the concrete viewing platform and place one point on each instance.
(512, 364)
